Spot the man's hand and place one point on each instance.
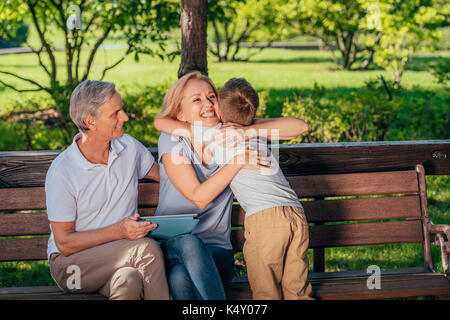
(132, 229)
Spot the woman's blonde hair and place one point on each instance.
(173, 97)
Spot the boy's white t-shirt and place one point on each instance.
(256, 190)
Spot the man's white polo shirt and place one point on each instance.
(95, 195)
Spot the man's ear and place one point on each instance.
(89, 121)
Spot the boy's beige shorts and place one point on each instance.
(121, 269)
(276, 242)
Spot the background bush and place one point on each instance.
(371, 113)
(15, 38)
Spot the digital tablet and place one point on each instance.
(170, 226)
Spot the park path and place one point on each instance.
(28, 50)
(285, 45)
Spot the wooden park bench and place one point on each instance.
(394, 172)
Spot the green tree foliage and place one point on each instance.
(143, 24)
(341, 25)
(370, 114)
(407, 27)
(12, 30)
(387, 32)
(236, 22)
(441, 71)
(15, 37)
(443, 7)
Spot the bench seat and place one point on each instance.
(358, 207)
(344, 285)
(352, 285)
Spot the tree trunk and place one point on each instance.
(193, 24)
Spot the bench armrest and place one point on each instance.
(442, 240)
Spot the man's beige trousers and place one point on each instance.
(121, 269)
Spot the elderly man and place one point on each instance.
(96, 243)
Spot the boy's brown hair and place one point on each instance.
(238, 101)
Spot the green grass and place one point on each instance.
(281, 71)
(25, 273)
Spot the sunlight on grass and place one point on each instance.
(273, 69)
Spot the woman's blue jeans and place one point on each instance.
(197, 271)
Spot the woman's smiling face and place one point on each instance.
(199, 104)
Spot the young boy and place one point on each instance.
(276, 230)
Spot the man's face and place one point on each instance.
(111, 117)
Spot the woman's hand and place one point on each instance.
(230, 134)
(249, 158)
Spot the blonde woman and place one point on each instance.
(201, 264)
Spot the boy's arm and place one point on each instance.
(172, 126)
(285, 128)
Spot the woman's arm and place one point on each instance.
(285, 128)
(182, 175)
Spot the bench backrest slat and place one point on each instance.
(22, 199)
(366, 233)
(148, 194)
(382, 208)
(355, 184)
(24, 224)
(23, 249)
(352, 184)
(401, 203)
(354, 234)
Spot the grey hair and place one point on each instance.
(87, 98)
